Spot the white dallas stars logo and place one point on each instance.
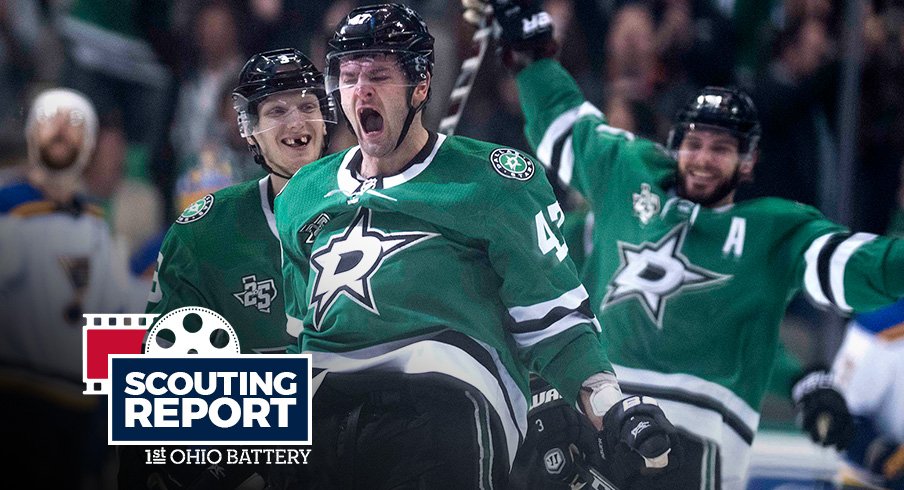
(653, 273)
(345, 265)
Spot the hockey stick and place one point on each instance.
(589, 478)
(480, 41)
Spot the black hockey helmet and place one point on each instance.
(271, 72)
(386, 28)
(276, 71)
(729, 109)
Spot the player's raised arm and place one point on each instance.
(569, 134)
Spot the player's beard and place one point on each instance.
(58, 158)
(723, 189)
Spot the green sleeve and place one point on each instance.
(574, 231)
(554, 330)
(572, 137)
(874, 274)
(177, 279)
(853, 272)
(786, 369)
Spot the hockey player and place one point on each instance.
(223, 253)
(58, 261)
(869, 369)
(690, 285)
(426, 274)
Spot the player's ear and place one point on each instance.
(748, 162)
(421, 90)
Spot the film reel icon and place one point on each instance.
(192, 330)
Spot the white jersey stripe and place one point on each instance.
(481, 454)
(566, 163)
(559, 126)
(263, 186)
(570, 300)
(811, 273)
(695, 385)
(839, 262)
(492, 455)
(528, 339)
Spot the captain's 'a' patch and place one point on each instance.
(512, 164)
(196, 210)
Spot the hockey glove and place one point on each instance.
(822, 411)
(525, 30)
(639, 439)
(560, 435)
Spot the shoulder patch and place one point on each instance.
(196, 210)
(512, 164)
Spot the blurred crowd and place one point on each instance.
(160, 73)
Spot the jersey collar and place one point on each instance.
(263, 187)
(349, 179)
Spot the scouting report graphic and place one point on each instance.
(187, 383)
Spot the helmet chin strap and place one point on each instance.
(410, 118)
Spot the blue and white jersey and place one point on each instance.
(55, 265)
(870, 369)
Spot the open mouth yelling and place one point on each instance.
(371, 121)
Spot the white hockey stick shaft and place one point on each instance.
(480, 42)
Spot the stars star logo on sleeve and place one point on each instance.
(196, 210)
(346, 264)
(512, 164)
(654, 272)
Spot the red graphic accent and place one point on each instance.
(102, 342)
(110, 334)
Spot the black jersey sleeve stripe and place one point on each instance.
(555, 164)
(552, 317)
(824, 263)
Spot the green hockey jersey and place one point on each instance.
(455, 266)
(223, 254)
(691, 298)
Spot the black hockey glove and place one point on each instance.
(560, 436)
(821, 410)
(525, 32)
(639, 440)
